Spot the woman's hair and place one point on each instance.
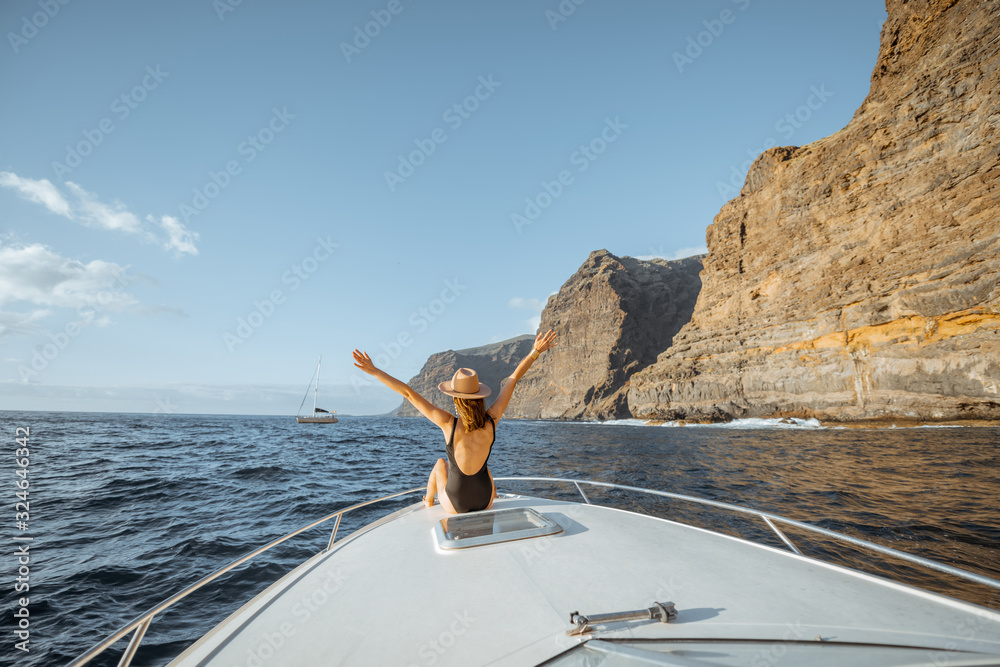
(472, 412)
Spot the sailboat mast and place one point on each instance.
(316, 392)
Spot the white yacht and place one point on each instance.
(535, 581)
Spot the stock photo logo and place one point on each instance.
(420, 320)
(454, 116)
(270, 643)
(122, 107)
(223, 7)
(786, 125)
(702, 41)
(93, 313)
(363, 35)
(562, 12)
(585, 155)
(265, 308)
(31, 24)
(436, 647)
(249, 149)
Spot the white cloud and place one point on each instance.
(90, 211)
(154, 311)
(179, 237)
(526, 304)
(680, 253)
(534, 305)
(35, 275)
(41, 192)
(20, 322)
(39, 276)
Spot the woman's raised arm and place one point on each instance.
(542, 343)
(425, 407)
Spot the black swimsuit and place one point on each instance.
(468, 493)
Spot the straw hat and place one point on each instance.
(465, 384)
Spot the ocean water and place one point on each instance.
(126, 510)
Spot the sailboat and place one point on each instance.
(319, 415)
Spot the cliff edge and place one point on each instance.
(858, 277)
(613, 317)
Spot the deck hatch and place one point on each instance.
(479, 528)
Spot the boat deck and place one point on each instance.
(389, 595)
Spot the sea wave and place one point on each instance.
(619, 422)
(750, 423)
(262, 473)
(755, 423)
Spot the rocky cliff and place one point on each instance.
(492, 362)
(613, 316)
(857, 277)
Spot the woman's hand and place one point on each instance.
(364, 362)
(546, 340)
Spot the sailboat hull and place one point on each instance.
(316, 420)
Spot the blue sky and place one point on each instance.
(198, 198)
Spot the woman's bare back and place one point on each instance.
(471, 448)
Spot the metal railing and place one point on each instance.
(139, 625)
(769, 518)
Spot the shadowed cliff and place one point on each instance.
(613, 317)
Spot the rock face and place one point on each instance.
(492, 362)
(858, 277)
(613, 317)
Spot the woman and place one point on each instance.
(463, 483)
